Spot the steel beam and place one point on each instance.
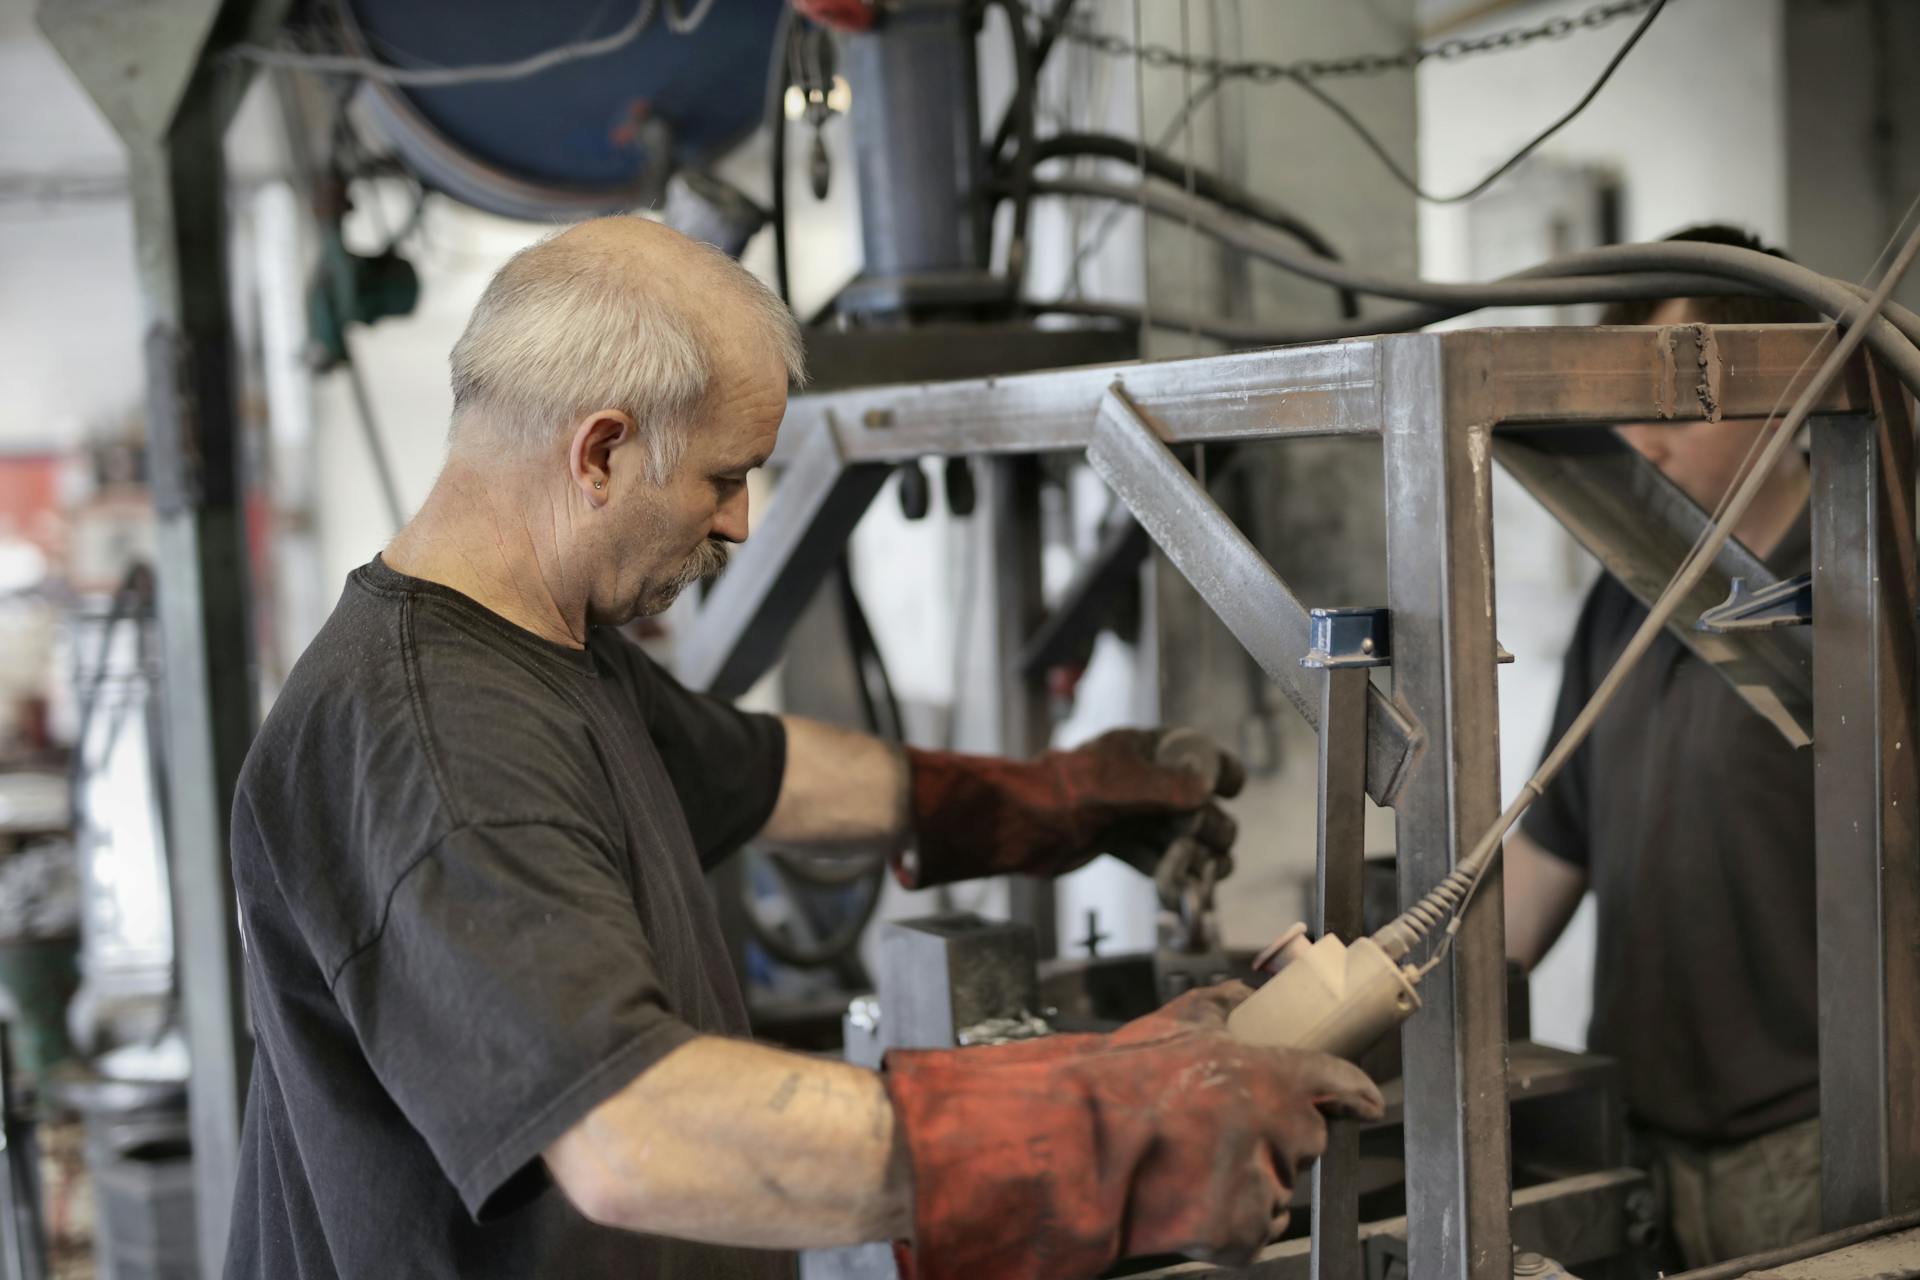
(1640, 526)
(1867, 807)
(1338, 909)
(1439, 506)
(743, 622)
(1129, 452)
(1010, 502)
(1545, 376)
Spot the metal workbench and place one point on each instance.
(1445, 407)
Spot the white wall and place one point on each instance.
(1692, 126)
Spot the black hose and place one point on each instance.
(1714, 267)
(1206, 185)
(1042, 49)
(776, 111)
(1023, 111)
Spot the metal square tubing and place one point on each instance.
(1233, 578)
(1439, 505)
(1338, 909)
(1544, 376)
(1640, 526)
(1867, 808)
(743, 622)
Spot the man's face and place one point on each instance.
(1702, 458)
(671, 535)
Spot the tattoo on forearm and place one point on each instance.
(783, 1096)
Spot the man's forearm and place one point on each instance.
(844, 789)
(734, 1143)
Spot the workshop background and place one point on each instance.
(1798, 119)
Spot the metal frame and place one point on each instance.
(1445, 406)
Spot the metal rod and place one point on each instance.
(1735, 1268)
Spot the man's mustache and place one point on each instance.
(710, 558)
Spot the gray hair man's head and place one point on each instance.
(619, 314)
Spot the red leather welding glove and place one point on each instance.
(986, 816)
(1051, 1160)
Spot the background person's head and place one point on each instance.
(1703, 458)
(628, 377)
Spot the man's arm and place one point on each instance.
(841, 789)
(734, 1143)
(1542, 893)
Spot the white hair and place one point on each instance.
(561, 332)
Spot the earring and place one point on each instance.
(599, 484)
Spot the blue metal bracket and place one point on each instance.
(1784, 604)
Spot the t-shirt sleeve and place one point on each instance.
(1558, 820)
(509, 991)
(725, 764)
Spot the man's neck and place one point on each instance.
(1776, 508)
(476, 535)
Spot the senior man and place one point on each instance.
(498, 1033)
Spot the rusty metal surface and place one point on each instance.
(1571, 375)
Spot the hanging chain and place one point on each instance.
(1365, 64)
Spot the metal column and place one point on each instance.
(1440, 594)
(150, 71)
(1338, 909)
(179, 209)
(1010, 500)
(1867, 805)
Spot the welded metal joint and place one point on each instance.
(1349, 636)
(1783, 604)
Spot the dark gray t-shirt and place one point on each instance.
(1694, 821)
(469, 865)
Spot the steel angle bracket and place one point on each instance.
(744, 620)
(1784, 604)
(1234, 579)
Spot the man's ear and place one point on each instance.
(590, 452)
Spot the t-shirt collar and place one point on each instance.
(382, 577)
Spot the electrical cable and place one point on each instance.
(1499, 171)
(682, 24)
(779, 76)
(1706, 270)
(1206, 185)
(1449, 899)
(1042, 49)
(1022, 107)
(437, 77)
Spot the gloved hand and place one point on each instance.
(1052, 1159)
(986, 816)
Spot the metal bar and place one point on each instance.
(1867, 807)
(1011, 504)
(1545, 376)
(179, 194)
(1640, 526)
(1129, 453)
(1440, 593)
(1338, 909)
(744, 620)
